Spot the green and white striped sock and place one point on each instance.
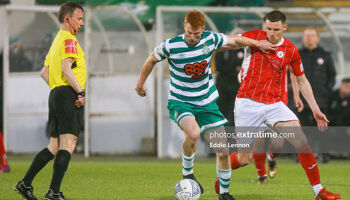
(224, 176)
(187, 165)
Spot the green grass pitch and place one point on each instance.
(107, 178)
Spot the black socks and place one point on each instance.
(40, 160)
(59, 168)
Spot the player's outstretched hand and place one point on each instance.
(322, 121)
(266, 47)
(80, 101)
(141, 91)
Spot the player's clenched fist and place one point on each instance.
(141, 91)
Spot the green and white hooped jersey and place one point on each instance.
(191, 79)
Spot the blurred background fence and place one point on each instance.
(116, 40)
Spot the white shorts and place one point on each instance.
(249, 113)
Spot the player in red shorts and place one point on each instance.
(259, 99)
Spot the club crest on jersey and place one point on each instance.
(280, 54)
(205, 49)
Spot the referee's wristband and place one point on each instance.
(82, 93)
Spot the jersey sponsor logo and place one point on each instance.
(205, 49)
(196, 70)
(280, 54)
(275, 61)
(320, 61)
(70, 46)
(276, 66)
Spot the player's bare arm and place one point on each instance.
(72, 80)
(145, 72)
(296, 93)
(45, 74)
(306, 90)
(226, 48)
(236, 42)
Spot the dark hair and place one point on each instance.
(68, 8)
(275, 16)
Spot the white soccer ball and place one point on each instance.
(187, 189)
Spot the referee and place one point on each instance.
(65, 73)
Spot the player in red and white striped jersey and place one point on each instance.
(259, 99)
(263, 74)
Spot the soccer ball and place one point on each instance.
(187, 189)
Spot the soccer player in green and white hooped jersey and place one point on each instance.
(192, 98)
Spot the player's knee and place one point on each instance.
(192, 139)
(193, 134)
(53, 148)
(69, 145)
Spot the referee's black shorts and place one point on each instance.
(64, 116)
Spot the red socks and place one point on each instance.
(3, 159)
(307, 160)
(234, 161)
(259, 160)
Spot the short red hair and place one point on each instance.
(195, 19)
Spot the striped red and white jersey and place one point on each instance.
(264, 74)
(284, 95)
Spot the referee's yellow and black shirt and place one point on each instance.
(65, 46)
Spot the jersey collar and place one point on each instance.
(279, 43)
(183, 37)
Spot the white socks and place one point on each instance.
(317, 188)
(187, 165)
(224, 176)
